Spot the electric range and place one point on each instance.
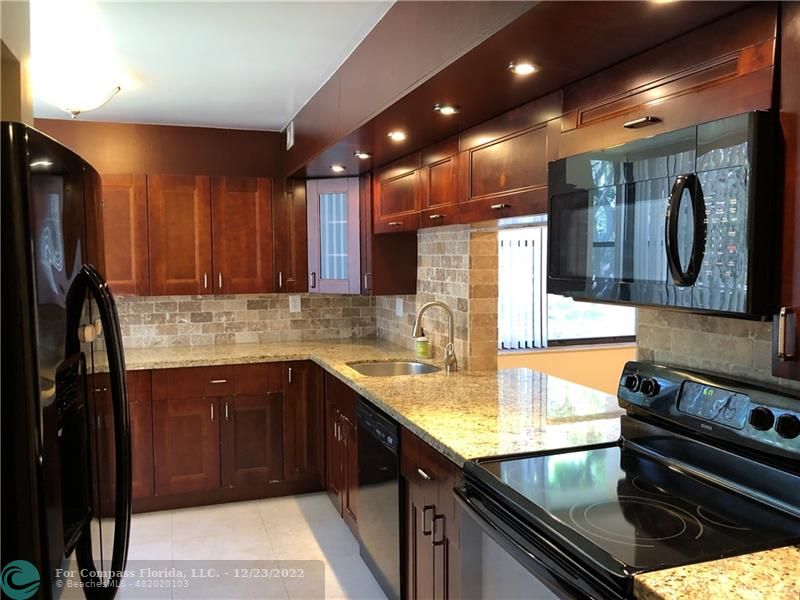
(705, 468)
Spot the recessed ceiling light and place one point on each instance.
(338, 168)
(521, 68)
(42, 162)
(361, 154)
(446, 109)
(397, 136)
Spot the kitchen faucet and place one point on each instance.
(450, 360)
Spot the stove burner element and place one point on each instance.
(662, 521)
(715, 519)
(647, 487)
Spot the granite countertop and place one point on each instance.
(464, 415)
(773, 575)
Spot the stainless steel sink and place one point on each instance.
(391, 368)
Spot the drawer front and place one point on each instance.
(394, 224)
(528, 202)
(442, 215)
(199, 382)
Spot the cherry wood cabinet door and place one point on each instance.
(303, 423)
(439, 180)
(124, 228)
(291, 238)
(241, 217)
(397, 196)
(179, 224)
(350, 467)
(333, 461)
(141, 411)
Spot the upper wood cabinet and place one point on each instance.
(439, 182)
(241, 216)
(290, 238)
(123, 216)
(397, 196)
(334, 254)
(180, 234)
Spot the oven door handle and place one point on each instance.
(561, 575)
(688, 277)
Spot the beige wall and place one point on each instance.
(17, 94)
(597, 367)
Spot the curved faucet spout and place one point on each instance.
(450, 360)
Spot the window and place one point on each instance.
(529, 317)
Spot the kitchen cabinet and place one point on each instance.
(432, 524)
(389, 261)
(303, 421)
(439, 181)
(341, 442)
(186, 427)
(290, 238)
(123, 217)
(786, 327)
(251, 420)
(397, 196)
(241, 217)
(334, 254)
(179, 223)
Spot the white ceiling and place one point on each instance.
(246, 65)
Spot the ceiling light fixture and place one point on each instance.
(42, 162)
(446, 109)
(521, 68)
(338, 168)
(361, 154)
(397, 136)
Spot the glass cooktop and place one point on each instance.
(631, 513)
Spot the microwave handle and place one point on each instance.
(688, 277)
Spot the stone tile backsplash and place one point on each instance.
(732, 347)
(230, 319)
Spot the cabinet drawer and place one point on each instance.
(200, 382)
(442, 215)
(394, 224)
(516, 204)
(258, 379)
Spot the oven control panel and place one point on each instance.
(751, 414)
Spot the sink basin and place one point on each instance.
(394, 367)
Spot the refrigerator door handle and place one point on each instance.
(90, 280)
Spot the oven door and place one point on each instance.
(501, 557)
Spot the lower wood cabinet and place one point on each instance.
(432, 525)
(341, 446)
(303, 442)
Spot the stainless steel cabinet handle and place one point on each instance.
(212, 411)
(784, 352)
(226, 412)
(367, 281)
(435, 216)
(290, 374)
(424, 475)
(220, 280)
(205, 281)
(280, 280)
(499, 206)
(427, 529)
(395, 223)
(440, 540)
(643, 122)
(218, 381)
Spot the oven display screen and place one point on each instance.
(714, 404)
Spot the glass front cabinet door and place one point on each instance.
(334, 255)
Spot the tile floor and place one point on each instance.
(303, 527)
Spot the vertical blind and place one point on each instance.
(333, 235)
(522, 301)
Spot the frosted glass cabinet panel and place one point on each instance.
(334, 254)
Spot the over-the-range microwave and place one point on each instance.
(684, 220)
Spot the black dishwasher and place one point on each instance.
(379, 496)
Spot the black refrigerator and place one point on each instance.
(66, 458)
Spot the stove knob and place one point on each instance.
(649, 387)
(632, 383)
(761, 418)
(788, 426)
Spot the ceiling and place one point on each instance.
(242, 65)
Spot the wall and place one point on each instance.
(733, 347)
(16, 88)
(456, 266)
(596, 367)
(128, 148)
(246, 318)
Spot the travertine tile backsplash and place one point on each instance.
(732, 347)
(204, 320)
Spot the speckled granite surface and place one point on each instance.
(770, 575)
(464, 415)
